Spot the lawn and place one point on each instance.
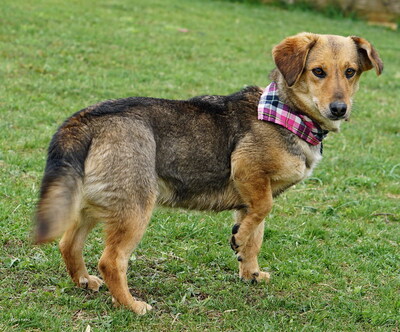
(331, 242)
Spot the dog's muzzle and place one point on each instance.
(338, 110)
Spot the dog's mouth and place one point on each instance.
(335, 111)
(337, 118)
(329, 121)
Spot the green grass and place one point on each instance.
(331, 243)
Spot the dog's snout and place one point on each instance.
(338, 108)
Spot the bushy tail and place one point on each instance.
(61, 188)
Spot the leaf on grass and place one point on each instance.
(395, 196)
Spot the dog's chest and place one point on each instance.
(294, 168)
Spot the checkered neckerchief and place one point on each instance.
(271, 109)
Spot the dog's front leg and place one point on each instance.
(247, 233)
(247, 257)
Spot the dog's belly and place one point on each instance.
(226, 198)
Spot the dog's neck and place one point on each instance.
(272, 109)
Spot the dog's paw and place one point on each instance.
(255, 277)
(90, 282)
(138, 307)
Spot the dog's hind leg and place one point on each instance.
(247, 233)
(121, 186)
(122, 236)
(71, 247)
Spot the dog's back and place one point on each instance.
(179, 150)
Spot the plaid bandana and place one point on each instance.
(271, 109)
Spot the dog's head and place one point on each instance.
(321, 73)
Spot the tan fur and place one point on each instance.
(128, 169)
(334, 54)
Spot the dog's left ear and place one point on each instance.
(291, 54)
(368, 56)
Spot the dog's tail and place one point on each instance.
(61, 189)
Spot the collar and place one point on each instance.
(271, 109)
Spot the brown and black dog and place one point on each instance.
(114, 161)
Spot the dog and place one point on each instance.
(114, 161)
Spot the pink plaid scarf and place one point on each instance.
(271, 109)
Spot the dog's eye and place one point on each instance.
(319, 72)
(350, 72)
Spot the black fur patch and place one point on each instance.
(254, 280)
(235, 228)
(234, 246)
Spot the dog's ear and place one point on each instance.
(291, 54)
(368, 56)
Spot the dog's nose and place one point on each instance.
(338, 108)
